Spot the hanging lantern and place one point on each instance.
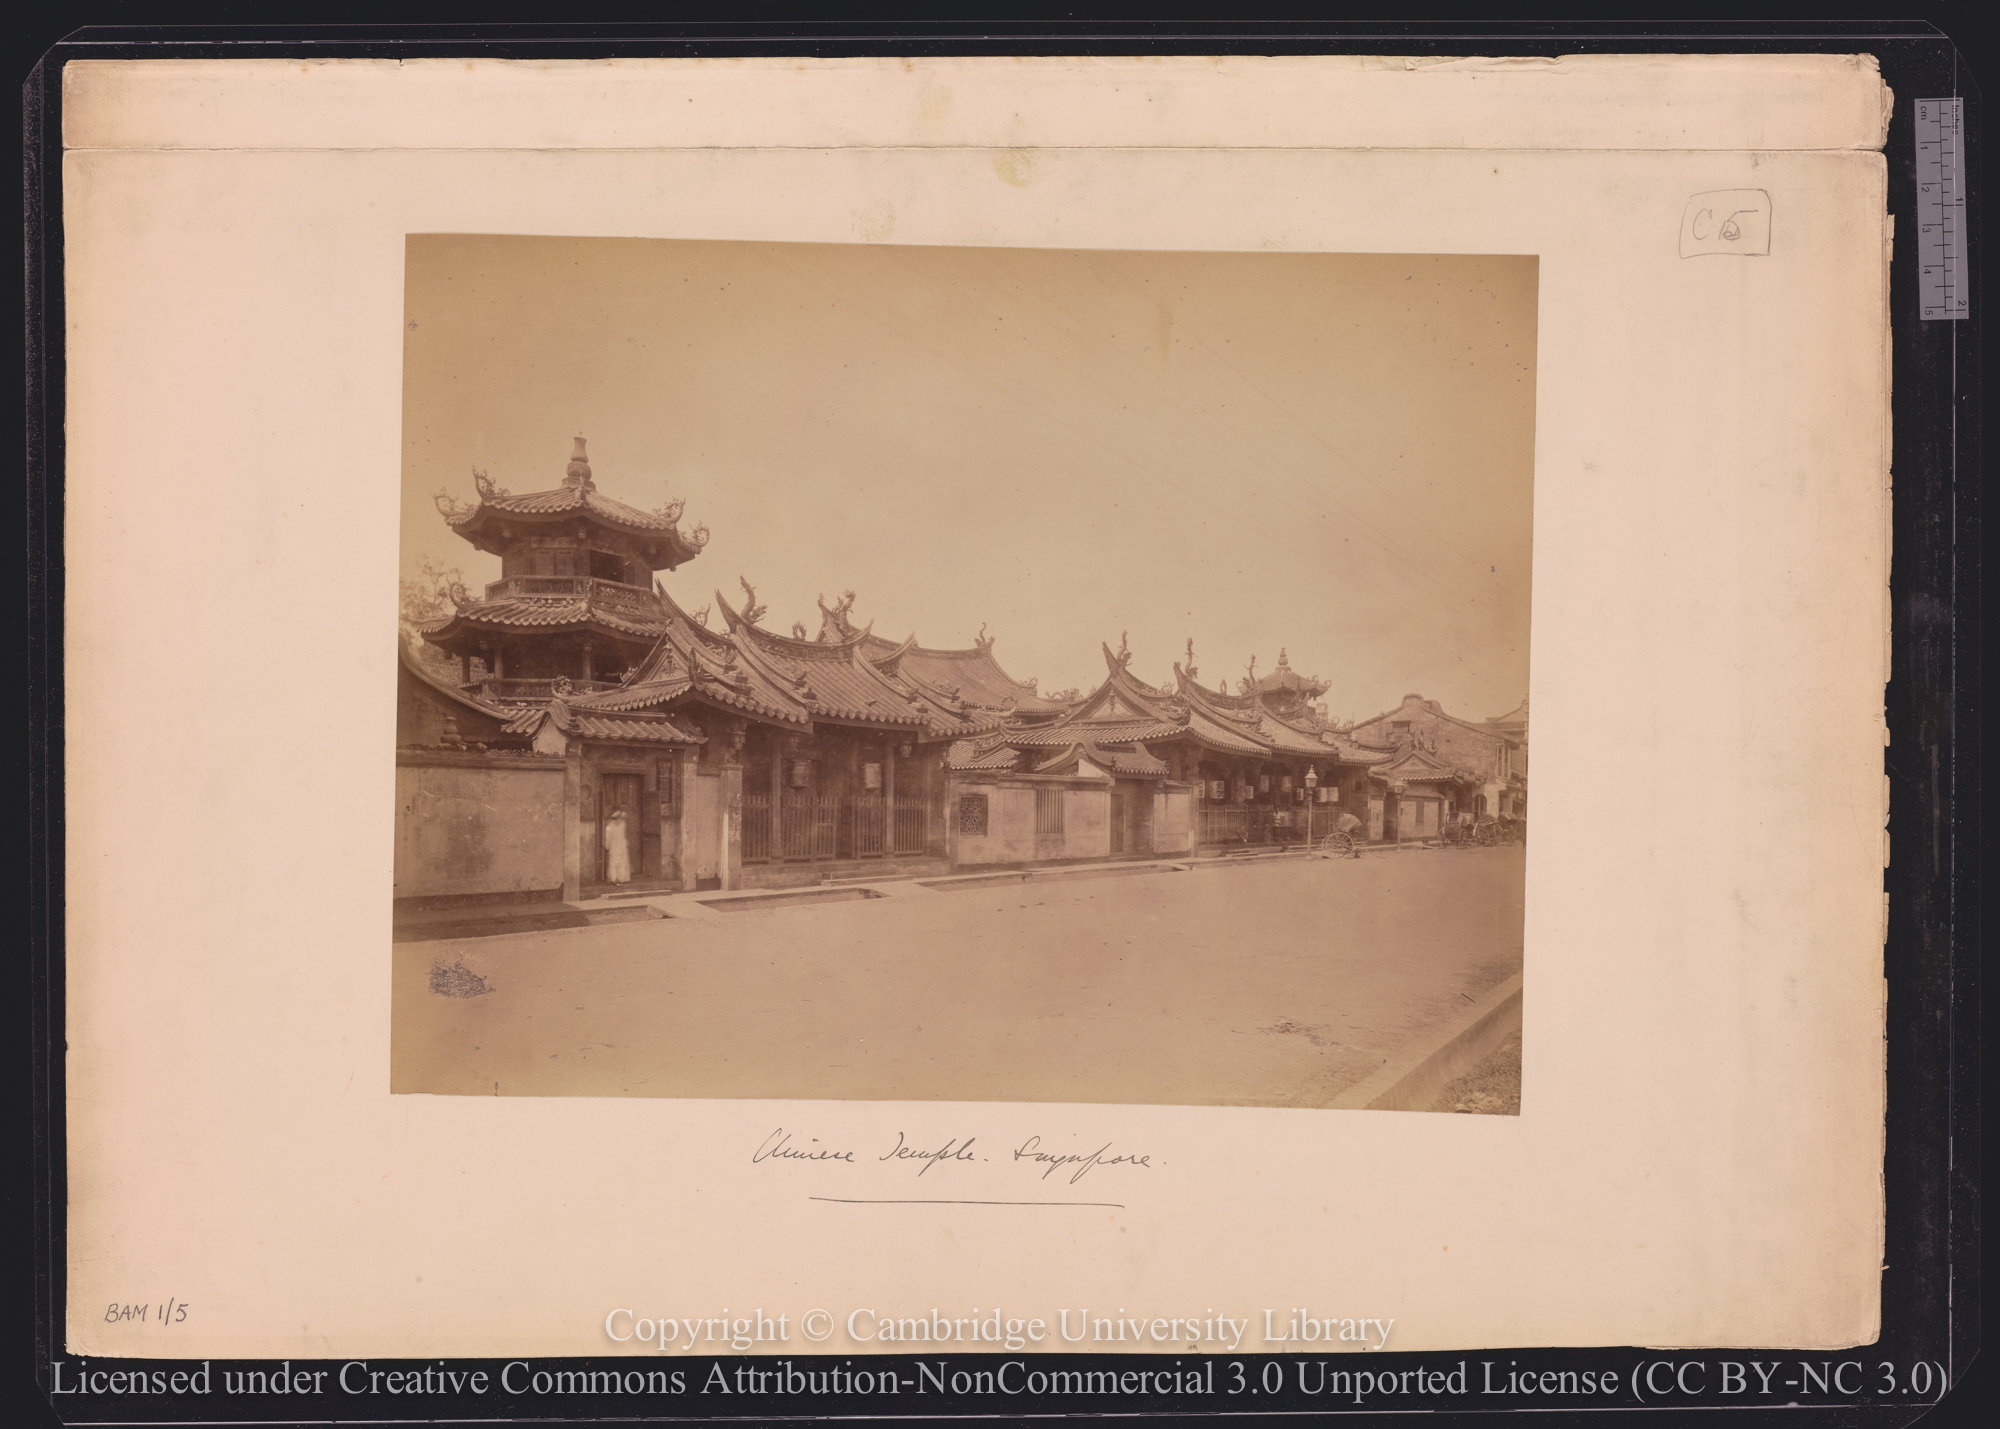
(801, 773)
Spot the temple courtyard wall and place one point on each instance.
(478, 825)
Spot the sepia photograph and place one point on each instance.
(895, 673)
(965, 629)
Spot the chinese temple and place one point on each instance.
(692, 757)
(1188, 767)
(598, 738)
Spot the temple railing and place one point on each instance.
(599, 592)
(912, 831)
(756, 828)
(537, 690)
(810, 828)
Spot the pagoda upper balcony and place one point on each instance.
(501, 691)
(613, 595)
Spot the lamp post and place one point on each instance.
(1312, 783)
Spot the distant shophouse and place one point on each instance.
(1443, 766)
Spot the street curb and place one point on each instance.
(1412, 1082)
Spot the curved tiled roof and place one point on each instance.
(635, 696)
(659, 731)
(1218, 736)
(1425, 707)
(1104, 731)
(1138, 763)
(569, 498)
(1126, 711)
(974, 674)
(1413, 766)
(965, 754)
(1285, 678)
(830, 680)
(528, 612)
(526, 721)
(661, 543)
(563, 712)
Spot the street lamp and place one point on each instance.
(1312, 783)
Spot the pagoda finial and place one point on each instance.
(579, 467)
(1283, 663)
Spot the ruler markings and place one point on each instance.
(1941, 290)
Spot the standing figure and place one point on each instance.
(617, 850)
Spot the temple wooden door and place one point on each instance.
(1131, 816)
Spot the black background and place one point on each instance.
(1936, 705)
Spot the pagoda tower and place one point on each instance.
(576, 606)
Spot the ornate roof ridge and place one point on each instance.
(1229, 708)
(1486, 729)
(1218, 699)
(1414, 755)
(677, 616)
(562, 500)
(1138, 760)
(634, 696)
(789, 644)
(579, 612)
(763, 651)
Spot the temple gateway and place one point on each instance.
(573, 731)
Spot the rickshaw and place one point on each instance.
(1340, 843)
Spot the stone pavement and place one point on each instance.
(1271, 982)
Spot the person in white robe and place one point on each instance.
(617, 849)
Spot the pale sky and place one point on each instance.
(1330, 453)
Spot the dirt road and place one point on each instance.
(1277, 984)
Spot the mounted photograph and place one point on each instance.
(896, 673)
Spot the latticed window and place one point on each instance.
(972, 814)
(1048, 813)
